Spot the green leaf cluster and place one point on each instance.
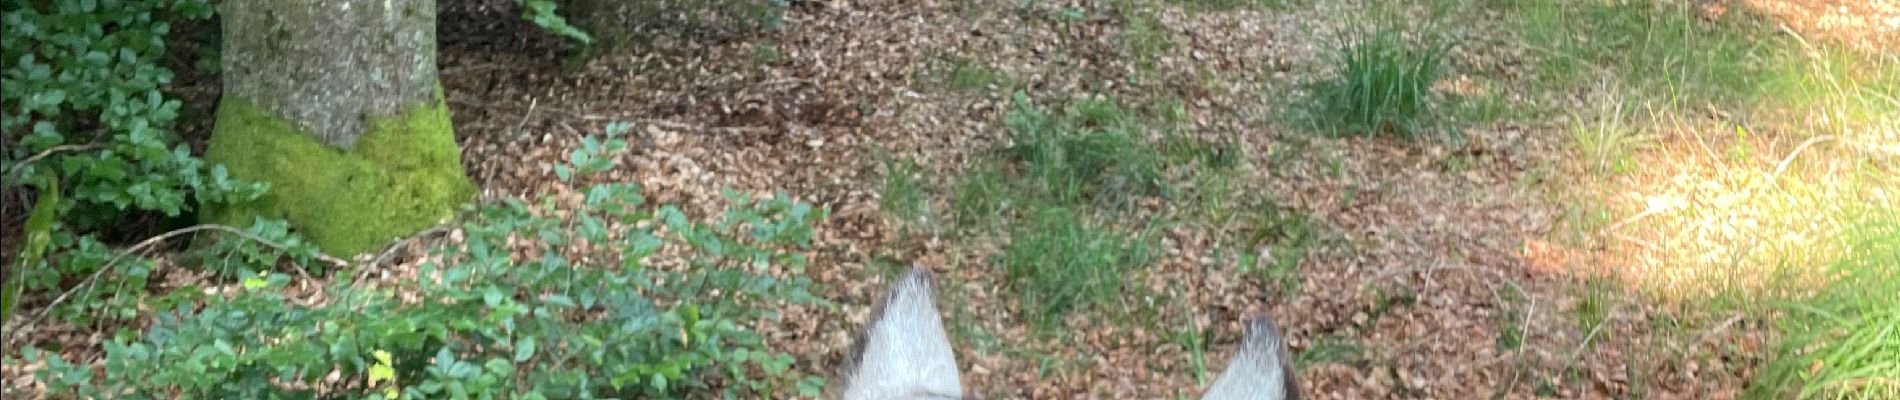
(604, 297)
(89, 127)
(541, 13)
(87, 75)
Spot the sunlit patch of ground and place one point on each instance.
(1866, 25)
(1716, 209)
(1701, 206)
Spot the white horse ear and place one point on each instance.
(1261, 370)
(904, 353)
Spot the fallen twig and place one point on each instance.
(1783, 165)
(391, 250)
(54, 150)
(629, 119)
(154, 241)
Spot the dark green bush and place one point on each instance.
(90, 127)
(89, 99)
(527, 305)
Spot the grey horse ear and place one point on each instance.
(903, 353)
(1261, 370)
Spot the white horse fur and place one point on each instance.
(903, 354)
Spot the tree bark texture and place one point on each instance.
(326, 65)
(335, 104)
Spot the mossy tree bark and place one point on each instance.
(336, 104)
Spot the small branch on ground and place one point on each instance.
(154, 241)
(670, 124)
(394, 247)
(1783, 165)
(55, 150)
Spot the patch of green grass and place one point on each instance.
(1607, 144)
(1283, 238)
(967, 75)
(1058, 202)
(1059, 261)
(1547, 32)
(905, 195)
(982, 197)
(1827, 90)
(1206, 157)
(1170, 111)
(1484, 108)
(1667, 47)
(965, 326)
(1385, 299)
(1844, 342)
(1383, 86)
(1330, 350)
(1511, 322)
(1663, 50)
(767, 53)
(1595, 304)
(1144, 36)
(1226, 5)
(1087, 155)
(1194, 340)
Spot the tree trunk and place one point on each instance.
(336, 104)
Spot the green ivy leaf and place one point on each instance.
(524, 348)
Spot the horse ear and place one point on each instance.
(1261, 370)
(904, 352)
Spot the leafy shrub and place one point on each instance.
(1383, 86)
(85, 106)
(89, 99)
(527, 305)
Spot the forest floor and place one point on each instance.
(1580, 214)
(1470, 263)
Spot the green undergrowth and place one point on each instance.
(1666, 86)
(1066, 203)
(532, 299)
(1673, 56)
(90, 146)
(1382, 83)
(1062, 262)
(1843, 341)
(973, 76)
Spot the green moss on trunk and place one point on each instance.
(404, 175)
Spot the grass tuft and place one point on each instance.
(1844, 343)
(1059, 261)
(1086, 156)
(1383, 86)
(970, 76)
(905, 195)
